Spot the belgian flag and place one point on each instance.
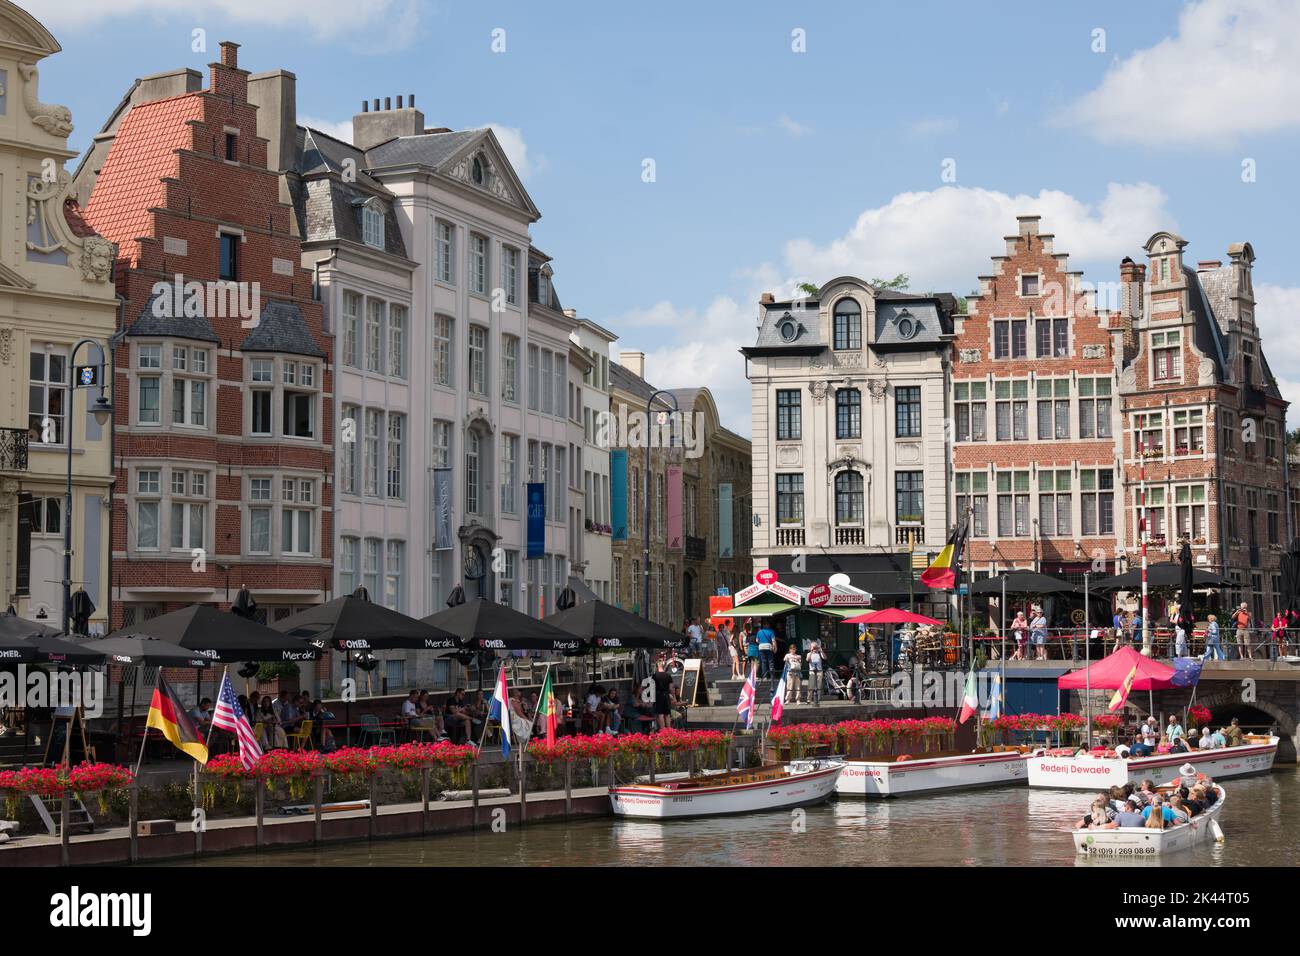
(167, 714)
(943, 572)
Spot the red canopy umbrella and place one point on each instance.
(1109, 673)
(892, 615)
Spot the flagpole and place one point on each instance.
(1087, 666)
(1003, 664)
(505, 706)
(144, 733)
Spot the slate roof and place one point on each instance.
(282, 328)
(173, 323)
(805, 316)
(1211, 297)
(131, 182)
(426, 149)
(893, 317)
(326, 207)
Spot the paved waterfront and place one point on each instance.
(1004, 826)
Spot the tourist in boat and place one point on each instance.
(1220, 739)
(793, 674)
(1098, 815)
(1233, 734)
(1146, 793)
(1179, 746)
(1156, 820)
(1020, 635)
(1174, 730)
(1038, 634)
(1204, 741)
(1129, 816)
(1159, 809)
(1213, 647)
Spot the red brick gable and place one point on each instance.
(144, 153)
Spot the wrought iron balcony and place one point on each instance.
(13, 449)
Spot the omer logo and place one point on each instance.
(76, 909)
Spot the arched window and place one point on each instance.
(848, 498)
(848, 325)
(848, 413)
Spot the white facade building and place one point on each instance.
(597, 544)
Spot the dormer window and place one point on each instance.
(372, 225)
(847, 325)
(788, 328)
(477, 171)
(907, 324)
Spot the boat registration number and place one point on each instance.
(1094, 850)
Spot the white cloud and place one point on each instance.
(794, 127)
(1276, 307)
(339, 130)
(371, 25)
(942, 239)
(932, 126)
(1232, 69)
(511, 139)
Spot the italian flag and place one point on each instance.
(970, 699)
(546, 708)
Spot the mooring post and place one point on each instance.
(320, 799)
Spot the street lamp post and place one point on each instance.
(645, 554)
(103, 412)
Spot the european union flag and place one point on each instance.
(1187, 671)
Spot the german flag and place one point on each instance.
(167, 714)
(942, 573)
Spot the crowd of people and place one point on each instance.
(275, 719)
(1149, 806)
(1151, 739)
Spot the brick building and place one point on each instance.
(222, 393)
(1203, 411)
(1035, 419)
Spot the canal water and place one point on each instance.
(1006, 826)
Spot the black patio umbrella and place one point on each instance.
(134, 650)
(489, 626)
(1166, 574)
(608, 627)
(30, 642)
(352, 623)
(220, 636)
(1023, 582)
(1291, 581)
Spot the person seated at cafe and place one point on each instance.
(455, 717)
(272, 731)
(288, 712)
(634, 710)
(322, 736)
(202, 715)
(411, 706)
(610, 712)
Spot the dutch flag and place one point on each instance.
(500, 711)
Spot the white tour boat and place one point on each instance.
(921, 774)
(1066, 772)
(1137, 842)
(745, 791)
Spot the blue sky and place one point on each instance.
(774, 166)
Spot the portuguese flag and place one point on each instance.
(167, 714)
(942, 573)
(546, 708)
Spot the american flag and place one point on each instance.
(230, 716)
(747, 699)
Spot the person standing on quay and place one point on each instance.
(766, 642)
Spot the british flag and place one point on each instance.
(748, 694)
(228, 715)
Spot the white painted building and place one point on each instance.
(850, 466)
(597, 546)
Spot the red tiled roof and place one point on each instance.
(76, 221)
(143, 153)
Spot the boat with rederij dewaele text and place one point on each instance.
(773, 787)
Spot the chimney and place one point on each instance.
(766, 299)
(373, 126)
(1205, 265)
(227, 79)
(274, 93)
(1132, 277)
(634, 362)
(1028, 225)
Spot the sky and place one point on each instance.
(688, 156)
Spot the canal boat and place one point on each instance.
(775, 787)
(1066, 770)
(895, 777)
(1137, 842)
